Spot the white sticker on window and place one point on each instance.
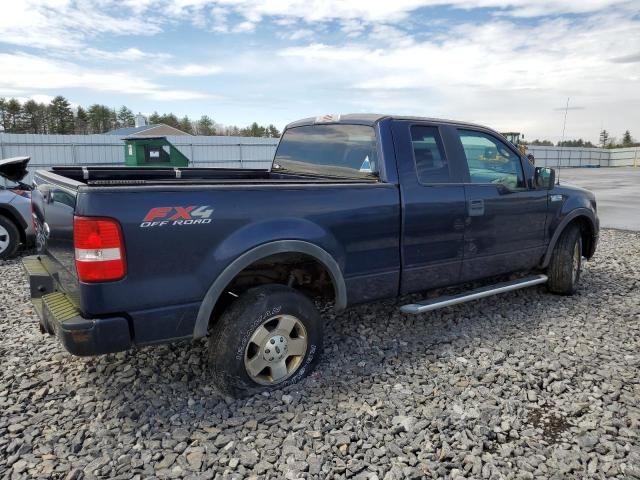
(366, 165)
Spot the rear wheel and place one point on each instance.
(269, 338)
(9, 238)
(566, 263)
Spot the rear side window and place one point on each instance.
(340, 151)
(428, 153)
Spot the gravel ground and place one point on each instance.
(523, 385)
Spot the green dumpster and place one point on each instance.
(152, 152)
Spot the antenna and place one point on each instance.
(564, 126)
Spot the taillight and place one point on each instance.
(22, 193)
(99, 249)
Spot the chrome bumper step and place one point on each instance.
(440, 302)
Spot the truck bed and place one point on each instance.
(125, 176)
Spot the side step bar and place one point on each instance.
(440, 302)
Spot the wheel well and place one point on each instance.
(297, 270)
(8, 214)
(586, 233)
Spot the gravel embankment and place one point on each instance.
(523, 385)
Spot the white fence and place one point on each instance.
(48, 150)
(243, 152)
(585, 157)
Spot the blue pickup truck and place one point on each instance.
(355, 208)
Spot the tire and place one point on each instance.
(9, 238)
(270, 337)
(566, 263)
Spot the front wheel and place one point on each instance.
(268, 338)
(566, 263)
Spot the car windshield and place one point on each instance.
(337, 150)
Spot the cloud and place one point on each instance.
(298, 34)
(367, 11)
(244, 27)
(23, 72)
(190, 70)
(64, 24)
(633, 58)
(500, 73)
(310, 56)
(40, 98)
(126, 55)
(562, 109)
(551, 54)
(384, 12)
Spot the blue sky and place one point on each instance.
(507, 64)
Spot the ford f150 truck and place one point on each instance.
(355, 208)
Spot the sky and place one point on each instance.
(510, 65)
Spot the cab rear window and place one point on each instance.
(336, 150)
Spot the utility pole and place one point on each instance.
(564, 126)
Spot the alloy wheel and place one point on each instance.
(276, 350)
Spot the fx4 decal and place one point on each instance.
(161, 216)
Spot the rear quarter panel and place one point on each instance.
(176, 264)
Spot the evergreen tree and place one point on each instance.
(627, 140)
(32, 117)
(576, 143)
(113, 119)
(185, 125)
(544, 143)
(60, 116)
(99, 118)
(169, 119)
(3, 114)
(253, 130)
(205, 126)
(125, 117)
(604, 138)
(154, 118)
(81, 121)
(272, 131)
(13, 114)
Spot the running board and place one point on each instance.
(440, 302)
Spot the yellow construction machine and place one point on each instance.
(514, 138)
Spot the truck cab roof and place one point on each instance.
(373, 118)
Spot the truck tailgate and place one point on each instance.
(53, 202)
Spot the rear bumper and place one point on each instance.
(59, 316)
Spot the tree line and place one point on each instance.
(565, 143)
(59, 117)
(606, 141)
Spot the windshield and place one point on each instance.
(345, 151)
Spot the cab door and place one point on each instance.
(433, 206)
(505, 216)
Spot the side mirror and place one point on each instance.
(531, 158)
(544, 178)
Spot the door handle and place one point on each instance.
(476, 208)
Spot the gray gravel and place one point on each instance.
(524, 385)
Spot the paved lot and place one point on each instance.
(617, 192)
(519, 386)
